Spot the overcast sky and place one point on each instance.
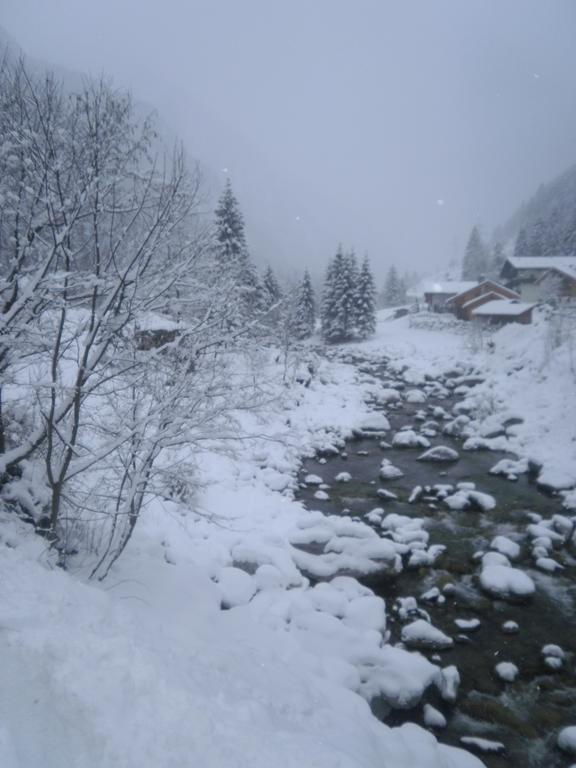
(389, 125)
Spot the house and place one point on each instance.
(502, 311)
(525, 274)
(464, 303)
(154, 331)
(558, 283)
(436, 294)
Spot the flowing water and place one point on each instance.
(527, 714)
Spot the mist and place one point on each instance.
(392, 127)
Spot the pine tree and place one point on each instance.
(474, 264)
(521, 245)
(272, 290)
(497, 260)
(233, 260)
(334, 318)
(365, 302)
(305, 312)
(394, 292)
(230, 236)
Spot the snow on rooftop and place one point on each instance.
(565, 264)
(503, 307)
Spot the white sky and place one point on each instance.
(390, 125)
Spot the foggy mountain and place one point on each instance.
(549, 215)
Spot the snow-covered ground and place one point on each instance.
(146, 669)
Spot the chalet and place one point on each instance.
(464, 303)
(559, 283)
(525, 274)
(437, 294)
(502, 311)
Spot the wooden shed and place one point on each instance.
(437, 294)
(502, 311)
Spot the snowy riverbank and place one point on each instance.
(147, 670)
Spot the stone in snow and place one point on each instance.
(448, 683)
(343, 477)
(553, 663)
(375, 422)
(384, 494)
(440, 453)
(567, 739)
(506, 671)
(506, 546)
(384, 445)
(321, 496)
(389, 472)
(553, 650)
(548, 565)
(494, 558)
(421, 634)
(415, 396)
(407, 438)
(313, 480)
(507, 583)
(467, 625)
(482, 745)
(433, 718)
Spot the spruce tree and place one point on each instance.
(272, 290)
(305, 312)
(365, 302)
(497, 260)
(233, 259)
(474, 264)
(393, 292)
(333, 325)
(521, 244)
(229, 226)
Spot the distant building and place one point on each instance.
(502, 311)
(464, 303)
(525, 274)
(437, 294)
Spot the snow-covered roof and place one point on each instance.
(562, 263)
(503, 307)
(449, 286)
(483, 282)
(478, 298)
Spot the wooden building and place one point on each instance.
(525, 274)
(502, 311)
(463, 303)
(437, 294)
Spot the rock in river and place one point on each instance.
(440, 453)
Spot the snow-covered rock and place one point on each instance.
(440, 453)
(506, 547)
(433, 718)
(407, 438)
(507, 583)
(388, 471)
(467, 625)
(313, 480)
(421, 634)
(237, 587)
(506, 671)
(343, 477)
(482, 745)
(567, 740)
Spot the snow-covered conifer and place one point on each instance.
(365, 302)
(474, 263)
(305, 311)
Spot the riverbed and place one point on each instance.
(524, 715)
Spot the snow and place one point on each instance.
(506, 547)
(506, 671)
(421, 634)
(467, 625)
(433, 718)
(567, 739)
(482, 745)
(407, 438)
(501, 307)
(507, 583)
(440, 453)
